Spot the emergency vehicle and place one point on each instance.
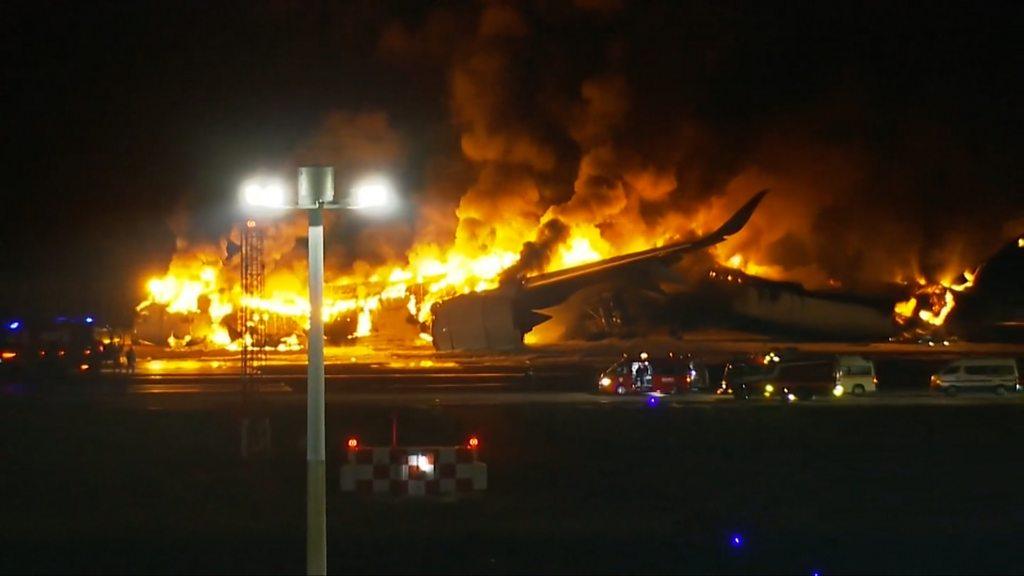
(664, 375)
(796, 377)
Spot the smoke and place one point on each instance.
(536, 254)
(554, 124)
(630, 140)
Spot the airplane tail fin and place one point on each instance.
(735, 223)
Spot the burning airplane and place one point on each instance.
(564, 213)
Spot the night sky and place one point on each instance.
(127, 122)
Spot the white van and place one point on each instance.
(856, 375)
(999, 375)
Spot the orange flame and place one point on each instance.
(933, 302)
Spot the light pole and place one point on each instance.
(316, 194)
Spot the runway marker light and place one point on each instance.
(8, 355)
(89, 319)
(83, 367)
(14, 325)
(736, 541)
(473, 442)
(352, 443)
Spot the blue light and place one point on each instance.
(89, 319)
(736, 541)
(652, 401)
(14, 325)
(816, 573)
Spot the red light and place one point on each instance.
(474, 442)
(8, 355)
(353, 443)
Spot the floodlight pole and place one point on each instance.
(315, 193)
(316, 487)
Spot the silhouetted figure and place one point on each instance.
(129, 357)
(643, 372)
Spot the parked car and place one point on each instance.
(999, 375)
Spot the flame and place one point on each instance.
(905, 310)
(289, 343)
(933, 301)
(747, 265)
(206, 292)
(938, 318)
(578, 252)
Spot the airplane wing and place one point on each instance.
(668, 253)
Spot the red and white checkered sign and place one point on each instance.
(413, 470)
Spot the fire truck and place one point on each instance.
(61, 347)
(663, 375)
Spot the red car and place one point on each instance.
(666, 375)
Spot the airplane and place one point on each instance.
(678, 287)
(499, 318)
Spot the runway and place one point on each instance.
(469, 393)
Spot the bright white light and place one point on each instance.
(266, 192)
(373, 192)
(606, 381)
(422, 462)
(838, 391)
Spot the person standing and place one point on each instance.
(130, 358)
